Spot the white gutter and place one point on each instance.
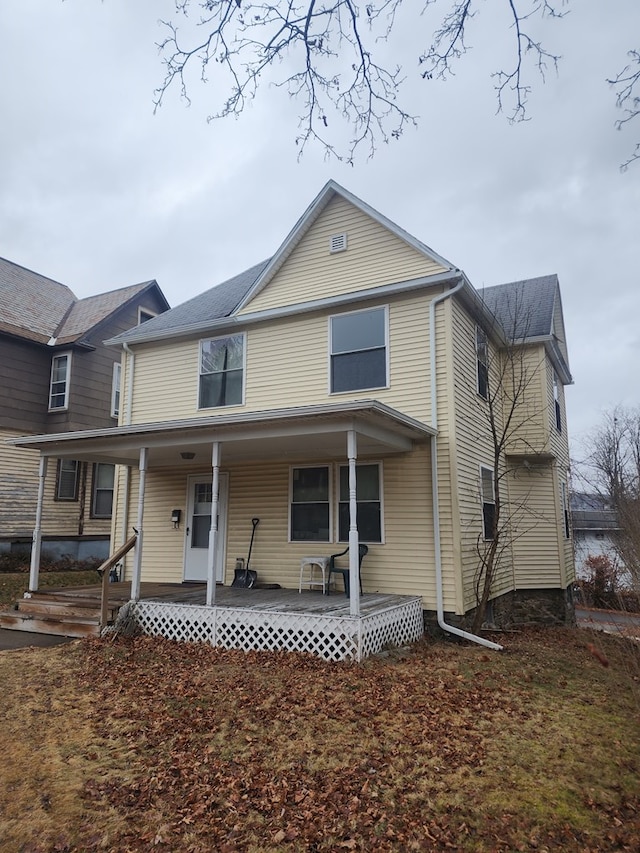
(474, 638)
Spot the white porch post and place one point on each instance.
(213, 532)
(137, 560)
(37, 530)
(354, 556)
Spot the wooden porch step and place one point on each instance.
(65, 609)
(73, 627)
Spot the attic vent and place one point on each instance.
(337, 243)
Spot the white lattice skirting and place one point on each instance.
(331, 637)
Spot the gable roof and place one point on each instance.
(326, 194)
(87, 313)
(531, 310)
(36, 308)
(524, 308)
(226, 299)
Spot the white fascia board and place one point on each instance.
(215, 326)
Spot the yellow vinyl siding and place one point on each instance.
(537, 558)
(287, 364)
(374, 256)
(531, 422)
(473, 448)
(404, 564)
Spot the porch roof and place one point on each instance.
(311, 431)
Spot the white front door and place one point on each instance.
(198, 525)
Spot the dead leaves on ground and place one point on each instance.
(233, 751)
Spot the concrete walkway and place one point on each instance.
(24, 639)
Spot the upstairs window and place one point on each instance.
(556, 402)
(102, 492)
(115, 389)
(221, 372)
(368, 497)
(482, 361)
(358, 348)
(59, 387)
(67, 480)
(310, 517)
(488, 497)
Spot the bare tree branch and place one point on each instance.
(325, 55)
(627, 88)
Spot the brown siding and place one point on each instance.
(25, 385)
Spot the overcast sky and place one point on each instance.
(98, 192)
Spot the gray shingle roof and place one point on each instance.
(524, 308)
(32, 306)
(38, 308)
(213, 304)
(87, 313)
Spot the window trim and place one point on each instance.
(94, 489)
(329, 501)
(76, 487)
(379, 465)
(484, 502)
(482, 340)
(116, 388)
(67, 382)
(242, 335)
(385, 309)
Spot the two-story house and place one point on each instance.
(59, 377)
(342, 393)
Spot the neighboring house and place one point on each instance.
(59, 377)
(337, 392)
(595, 524)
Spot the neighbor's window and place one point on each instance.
(368, 497)
(221, 372)
(115, 389)
(566, 520)
(59, 388)
(310, 517)
(102, 494)
(556, 402)
(358, 347)
(67, 480)
(488, 496)
(482, 361)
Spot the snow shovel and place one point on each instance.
(247, 577)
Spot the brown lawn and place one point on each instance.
(140, 745)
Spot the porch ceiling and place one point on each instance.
(309, 432)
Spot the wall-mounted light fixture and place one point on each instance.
(187, 454)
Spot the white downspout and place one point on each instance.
(126, 422)
(434, 478)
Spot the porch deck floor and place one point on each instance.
(276, 600)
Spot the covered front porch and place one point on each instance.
(160, 458)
